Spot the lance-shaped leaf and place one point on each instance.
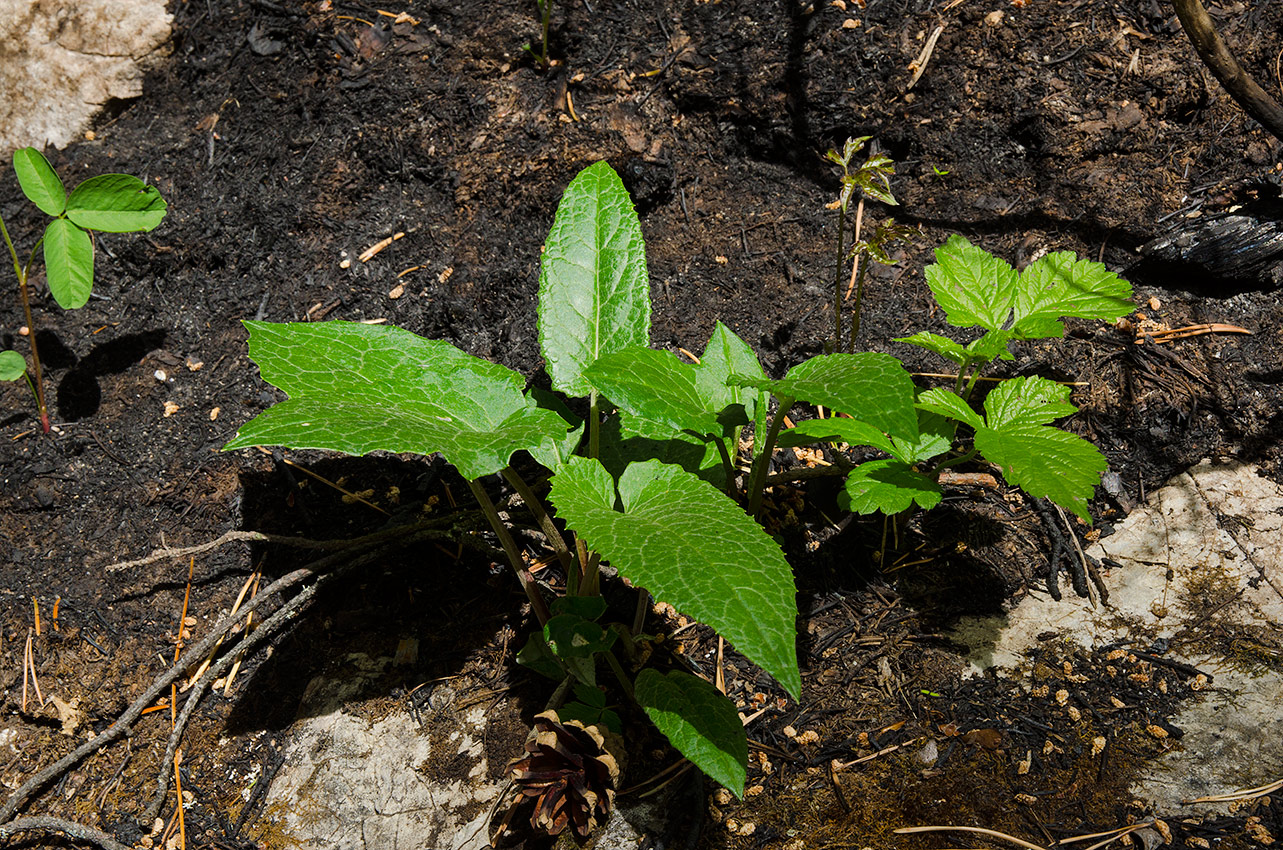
(726, 355)
(116, 203)
(691, 547)
(700, 721)
(1060, 284)
(594, 293)
(69, 263)
(941, 345)
(39, 182)
(871, 387)
(356, 388)
(835, 429)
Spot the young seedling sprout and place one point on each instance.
(111, 203)
(872, 179)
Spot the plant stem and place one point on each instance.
(945, 464)
(639, 614)
(757, 485)
(527, 581)
(837, 279)
(727, 466)
(31, 327)
(618, 670)
(545, 6)
(859, 296)
(594, 425)
(546, 525)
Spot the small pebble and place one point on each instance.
(160, 375)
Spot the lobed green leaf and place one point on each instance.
(701, 723)
(973, 286)
(1059, 284)
(594, 293)
(39, 182)
(69, 263)
(691, 547)
(358, 388)
(116, 203)
(889, 486)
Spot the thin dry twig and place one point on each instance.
(1245, 794)
(78, 831)
(282, 540)
(1189, 331)
(979, 830)
(879, 754)
(919, 65)
(408, 535)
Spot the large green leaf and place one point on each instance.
(973, 286)
(116, 203)
(1042, 460)
(39, 182)
(356, 388)
(871, 387)
(700, 721)
(12, 365)
(594, 293)
(69, 263)
(1060, 284)
(691, 547)
(653, 385)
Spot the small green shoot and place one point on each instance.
(111, 203)
(871, 180)
(544, 8)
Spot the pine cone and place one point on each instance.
(569, 773)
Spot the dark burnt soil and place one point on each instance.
(1038, 126)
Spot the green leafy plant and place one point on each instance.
(111, 203)
(871, 179)
(650, 482)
